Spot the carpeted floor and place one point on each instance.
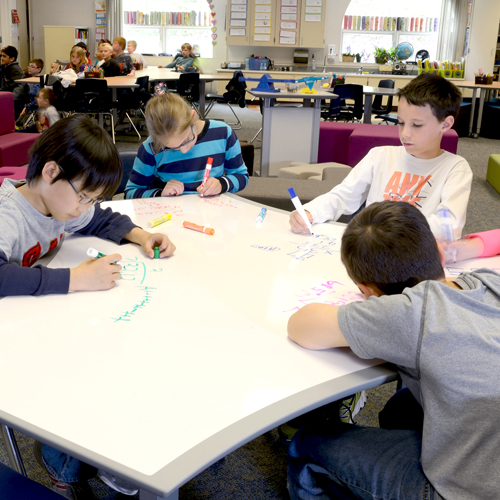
(257, 471)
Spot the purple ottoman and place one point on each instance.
(15, 173)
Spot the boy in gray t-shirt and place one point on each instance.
(439, 436)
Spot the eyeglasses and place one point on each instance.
(185, 143)
(84, 199)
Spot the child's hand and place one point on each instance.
(462, 249)
(95, 274)
(180, 67)
(173, 188)
(211, 187)
(160, 240)
(297, 222)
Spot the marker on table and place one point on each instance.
(157, 254)
(201, 229)
(159, 220)
(206, 175)
(262, 215)
(298, 206)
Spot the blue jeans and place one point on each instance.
(65, 468)
(333, 460)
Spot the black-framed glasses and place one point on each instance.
(84, 199)
(185, 143)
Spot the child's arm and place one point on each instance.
(316, 326)
(485, 244)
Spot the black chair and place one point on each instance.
(127, 157)
(383, 112)
(91, 97)
(235, 95)
(135, 100)
(339, 108)
(189, 87)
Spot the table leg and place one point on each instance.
(11, 449)
(480, 113)
(472, 111)
(147, 495)
(202, 98)
(367, 113)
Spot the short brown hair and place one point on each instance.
(121, 41)
(37, 62)
(389, 244)
(48, 94)
(167, 115)
(440, 94)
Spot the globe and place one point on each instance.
(404, 50)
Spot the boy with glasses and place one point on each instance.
(172, 160)
(73, 166)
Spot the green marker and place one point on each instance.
(157, 252)
(92, 252)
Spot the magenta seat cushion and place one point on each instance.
(14, 148)
(16, 173)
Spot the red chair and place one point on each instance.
(15, 173)
(13, 145)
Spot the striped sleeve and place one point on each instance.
(140, 182)
(235, 170)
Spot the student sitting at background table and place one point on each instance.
(107, 63)
(99, 43)
(123, 59)
(172, 160)
(135, 56)
(55, 67)
(444, 337)
(184, 60)
(87, 53)
(78, 61)
(10, 74)
(418, 172)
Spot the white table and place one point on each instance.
(369, 92)
(289, 133)
(199, 336)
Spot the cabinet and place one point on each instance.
(276, 23)
(60, 39)
(496, 67)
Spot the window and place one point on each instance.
(364, 42)
(145, 21)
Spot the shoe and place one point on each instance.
(117, 483)
(351, 406)
(286, 431)
(71, 491)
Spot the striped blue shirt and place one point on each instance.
(217, 140)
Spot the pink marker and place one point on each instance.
(206, 175)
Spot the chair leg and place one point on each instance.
(12, 450)
(112, 126)
(238, 121)
(132, 123)
(256, 135)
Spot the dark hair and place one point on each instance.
(38, 62)
(440, 94)
(10, 51)
(390, 245)
(83, 149)
(82, 45)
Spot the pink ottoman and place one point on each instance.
(15, 173)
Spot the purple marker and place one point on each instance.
(298, 206)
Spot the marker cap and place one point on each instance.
(92, 252)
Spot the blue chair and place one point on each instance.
(14, 486)
(128, 157)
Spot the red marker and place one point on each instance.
(201, 229)
(206, 175)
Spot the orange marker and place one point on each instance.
(201, 229)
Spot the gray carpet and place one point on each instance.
(257, 470)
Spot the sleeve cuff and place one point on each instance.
(491, 241)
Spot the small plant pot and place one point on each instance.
(348, 58)
(380, 60)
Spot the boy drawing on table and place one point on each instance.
(418, 172)
(73, 165)
(444, 337)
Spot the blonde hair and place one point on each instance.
(106, 45)
(133, 42)
(167, 115)
(121, 41)
(81, 55)
(187, 46)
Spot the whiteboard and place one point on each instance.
(200, 336)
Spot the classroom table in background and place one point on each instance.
(168, 74)
(369, 92)
(483, 89)
(289, 133)
(200, 336)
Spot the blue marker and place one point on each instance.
(262, 215)
(446, 224)
(298, 206)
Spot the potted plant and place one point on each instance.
(348, 57)
(383, 56)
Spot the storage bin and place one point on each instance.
(259, 63)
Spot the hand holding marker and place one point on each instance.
(206, 175)
(447, 236)
(300, 209)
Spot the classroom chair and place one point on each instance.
(15, 173)
(339, 108)
(127, 157)
(13, 146)
(189, 87)
(493, 172)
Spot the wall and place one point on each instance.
(8, 31)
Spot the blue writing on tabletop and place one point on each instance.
(146, 298)
(317, 244)
(267, 248)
